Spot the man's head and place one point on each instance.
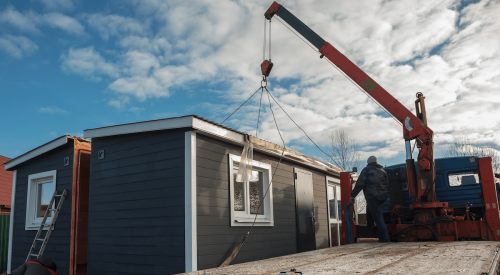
(372, 159)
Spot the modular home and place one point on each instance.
(164, 199)
(61, 164)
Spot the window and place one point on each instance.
(334, 209)
(463, 178)
(41, 187)
(245, 198)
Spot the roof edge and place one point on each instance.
(51, 145)
(138, 127)
(213, 129)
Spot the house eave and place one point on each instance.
(214, 130)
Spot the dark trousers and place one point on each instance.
(375, 208)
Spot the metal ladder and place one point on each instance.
(42, 225)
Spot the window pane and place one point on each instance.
(464, 178)
(239, 193)
(339, 206)
(256, 192)
(44, 195)
(331, 202)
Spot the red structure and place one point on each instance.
(5, 187)
(432, 219)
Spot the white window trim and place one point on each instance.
(335, 182)
(33, 223)
(238, 219)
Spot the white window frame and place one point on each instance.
(335, 183)
(240, 218)
(32, 222)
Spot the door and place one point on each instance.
(334, 210)
(304, 211)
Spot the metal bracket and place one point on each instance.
(100, 154)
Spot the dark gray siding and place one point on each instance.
(58, 247)
(136, 214)
(216, 238)
(320, 211)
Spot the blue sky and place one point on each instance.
(66, 66)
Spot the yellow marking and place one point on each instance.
(487, 206)
(494, 205)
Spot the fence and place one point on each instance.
(4, 241)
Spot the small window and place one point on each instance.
(463, 178)
(245, 198)
(41, 187)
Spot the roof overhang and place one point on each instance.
(214, 130)
(166, 124)
(51, 145)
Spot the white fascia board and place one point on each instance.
(36, 152)
(147, 126)
(217, 131)
(190, 216)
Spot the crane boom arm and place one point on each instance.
(413, 126)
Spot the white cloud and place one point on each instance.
(120, 102)
(51, 110)
(58, 4)
(449, 54)
(30, 21)
(136, 110)
(63, 22)
(23, 22)
(115, 25)
(88, 63)
(17, 46)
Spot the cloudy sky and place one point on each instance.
(70, 65)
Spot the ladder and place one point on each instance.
(45, 239)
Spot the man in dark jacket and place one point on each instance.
(38, 266)
(374, 182)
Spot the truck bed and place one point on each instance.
(472, 257)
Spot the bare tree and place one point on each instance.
(345, 153)
(464, 146)
(343, 150)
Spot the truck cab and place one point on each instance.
(457, 182)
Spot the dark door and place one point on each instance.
(304, 211)
(80, 245)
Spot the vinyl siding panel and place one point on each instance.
(136, 215)
(217, 239)
(58, 246)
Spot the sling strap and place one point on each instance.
(52, 272)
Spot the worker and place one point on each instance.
(374, 182)
(39, 266)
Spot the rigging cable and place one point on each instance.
(238, 247)
(258, 117)
(297, 124)
(264, 48)
(241, 105)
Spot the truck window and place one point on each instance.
(463, 178)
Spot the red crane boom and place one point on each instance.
(421, 187)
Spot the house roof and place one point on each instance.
(51, 145)
(5, 183)
(213, 129)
